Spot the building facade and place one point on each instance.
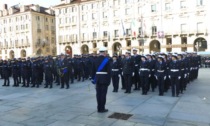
(83, 26)
(26, 30)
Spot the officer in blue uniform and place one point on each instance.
(1, 63)
(182, 72)
(144, 73)
(102, 78)
(135, 78)
(70, 69)
(152, 82)
(63, 71)
(175, 75)
(160, 74)
(35, 68)
(128, 71)
(115, 73)
(15, 72)
(6, 73)
(48, 70)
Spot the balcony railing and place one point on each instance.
(39, 30)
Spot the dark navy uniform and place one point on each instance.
(128, 72)
(152, 81)
(115, 74)
(25, 72)
(48, 70)
(1, 63)
(175, 76)
(6, 73)
(71, 69)
(15, 71)
(135, 78)
(35, 77)
(63, 72)
(102, 80)
(160, 74)
(144, 75)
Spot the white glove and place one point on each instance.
(191, 68)
(122, 73)
(164, 78)
(185, 75)
(119, 75)
(149, 75)
(169, 77)
(179, 77)
(139, 73)
(133, 74)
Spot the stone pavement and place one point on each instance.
(77, 106)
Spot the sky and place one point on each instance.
(45, 3)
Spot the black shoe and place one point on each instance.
(23, 86)
(4, 85)
(135, 89)
(126, 92)
(102, 111)
(67, 87)
(61, 87)
(46, 87)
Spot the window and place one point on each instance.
(115, 2)
(128, 32)
(183, 28)
(83, 7)
(154, 30)
(26, 26)
(94, 34)
(182, 4)
(167, 6)
(127, 11)
(73, 19)
(16, 27)
(73, 9)
(104, 15)
(116, 33)
(93, 16)
(115, 13)
(105, 34)
(46, 19)
(199, 2)
(47, 27)
(66, 10)
(140, 30)
(153, 8)
(103, 4)
(52, 20)
(200, 27)
(128, 1)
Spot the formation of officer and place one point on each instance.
(38, 70)
(162, 71)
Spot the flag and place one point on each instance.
(133, 28)
(123, 28)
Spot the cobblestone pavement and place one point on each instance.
(77, 106)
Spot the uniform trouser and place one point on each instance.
(175, 86)
(123, 81)
(15, 78)
(152, 82)
(115, 82)
(19, 77)
(144, 83)
(64, 81)
(127, 79)
(48, 79)
(1, 74)
(161, 83)
(101, 91)
(6, 80)
(71, 76)
(136, 80)
(36, 81)
(167, 84)
(181, 81)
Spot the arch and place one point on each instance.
(23, 53)
(200, 44)
(154, 46)
(68, 50)
(11, 54)
(85, 49)
(117, 48)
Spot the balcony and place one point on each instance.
(52, 32)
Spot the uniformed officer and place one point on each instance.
(152, 82)
(144, 74)
(35, 68)
(182, 72)
(128, 71)
(6, 73)
(101, 73)
(135, 78)
(121, 59)
(115, 73)
(1, 63)
(70, 69)
(48, 70)
(175, 75)
(160, 74)
(15, 72)
(63, 71)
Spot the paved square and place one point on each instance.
(77, 106)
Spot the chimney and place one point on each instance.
(4, 6)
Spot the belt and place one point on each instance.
(101, 73)
(174, 70)
(182, 69)
(115, 69)
(136, 65)
(144, 69)
(160, 71)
